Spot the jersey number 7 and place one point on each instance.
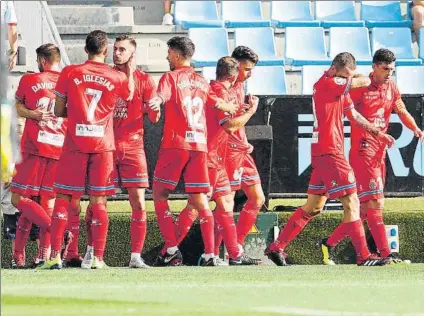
(96, 94)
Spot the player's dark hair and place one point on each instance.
(49, 52)
(383, 56)
(96, 42)
(243, 53)
(227, 67)
(344, 60)
(182, 44)
(126, 37)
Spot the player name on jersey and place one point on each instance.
(43, 85)
(97, 79)
(192, 84)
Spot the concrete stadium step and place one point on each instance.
(95, 16)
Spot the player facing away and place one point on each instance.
(368, 153)
(41, 147)
(332, 175)
(130, 158)
(240, 166)
(86, 94)
(185, 95)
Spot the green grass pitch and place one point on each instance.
(344, 290)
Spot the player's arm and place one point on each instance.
(238, 122)
(407, 119)
(164, 92)
(356, 118)
(359, 81)
(61, 92)
(24, 112)
(150, 92)
(60, 109)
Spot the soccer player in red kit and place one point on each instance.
(240, 166)
(332, 175)
(130, 158)
(367, 154)
(41, 148)
(185, 95)
(87, 94)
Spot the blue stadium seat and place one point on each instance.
(261, 40)
(310, 75)
(191, 14)
(243, 14)
(209, 73)
(351, 39)
(398, 40)
(421, 43)
(267, 80)
(211, 45)
(410, 80)
(336, 13)
(305, 46)
(292, 13)
(383, 14)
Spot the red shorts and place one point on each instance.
(130, 166)
(75, 167)
(34, 176)
(219, 182)
(370, 176)
(174, 162)
(331, 175)
(241, 170)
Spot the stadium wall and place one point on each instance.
(302, 250)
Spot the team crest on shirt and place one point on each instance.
(340, 81)
(237, 174)
(121, 109)
(333, 183)
(373, 184)
(351, 177)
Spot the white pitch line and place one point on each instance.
(316, 312)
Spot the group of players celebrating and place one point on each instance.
(84, 134)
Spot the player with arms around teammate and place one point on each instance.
(185, 96)
(240, 166)
(86, 94)
(368, 153)
(130, 158)
(332, 175)
(41, 147)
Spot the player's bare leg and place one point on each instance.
(173, 256)
(296, 223)
(200, 202)
(99, 229)
(249, 213)
(138, 226)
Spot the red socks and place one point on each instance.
(184, 222)
(166, 223)
(138, 229)
(356, 232)
(87, 219)
(207, 229)
(246, 220)
(99, 228)
(59, 220)
(378, 230)
(226, 227)
(34, 213)
(23, 229)
(44, 246)
(74, 227)
(294, 226)
(337, 236)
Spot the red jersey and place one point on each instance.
(238, 140)
(128, 116)
(185, 94)
(91, 90)
(217, 136)
(41, 138)
(375, 102)
(329, 103)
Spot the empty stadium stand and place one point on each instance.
(350, 39)
(243, 14)
(410, 80)
(189, 14)
(267, 80)
(211, 44)
(336, 13)
(383, 14)
(292, 13)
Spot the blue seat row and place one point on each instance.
(212, 44)
(190, 14)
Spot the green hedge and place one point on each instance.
(302, 250)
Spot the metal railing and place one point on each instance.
(37, 27)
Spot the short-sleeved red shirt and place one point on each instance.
(91, 90)
(128, 116)
(375, 102)
(41, 138)
(217, 136)
(329, 103)
(186, 95)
